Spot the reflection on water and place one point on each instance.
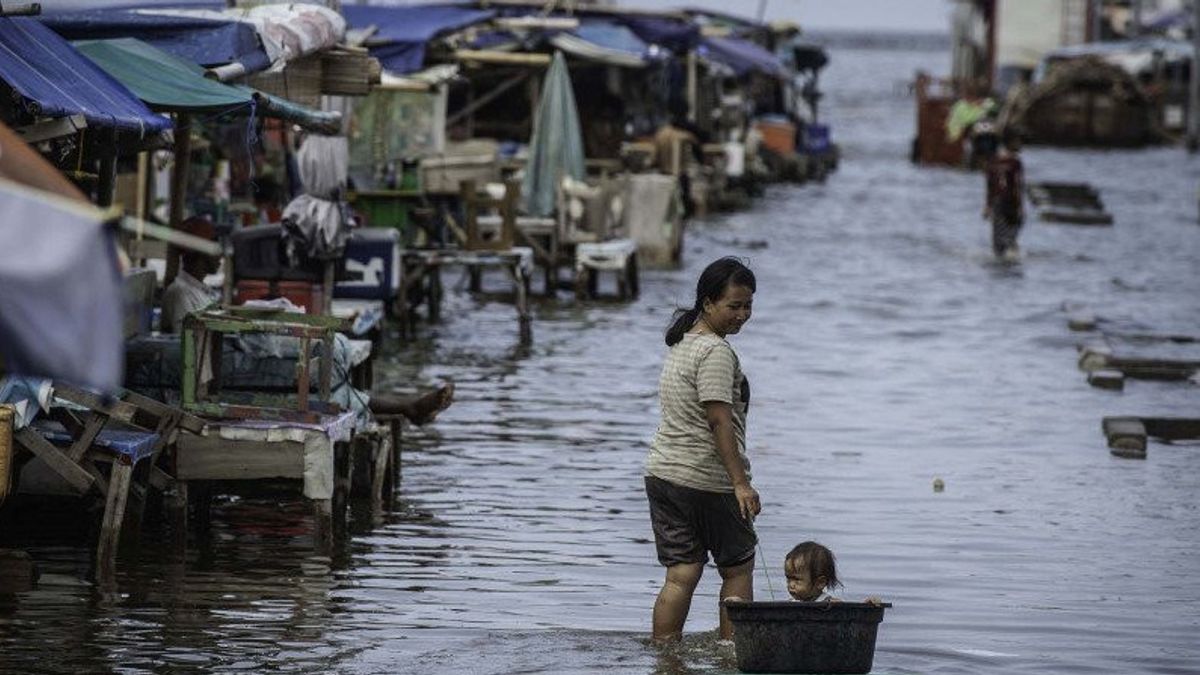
(887, 349)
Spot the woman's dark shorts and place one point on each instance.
(688, 523)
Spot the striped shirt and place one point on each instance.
(699, 368)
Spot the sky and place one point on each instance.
(868, 15)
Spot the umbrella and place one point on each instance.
(556, 147)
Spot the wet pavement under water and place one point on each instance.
(887, 349)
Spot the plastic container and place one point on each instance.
(305, 294)
(258, 254)
(777, 136)
(804, 637)
(372, 265)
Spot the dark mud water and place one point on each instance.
(887, 349)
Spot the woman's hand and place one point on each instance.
(747, 498)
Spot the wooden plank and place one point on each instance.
(215, 458)
(487, 98)
(90, 430)
(55, 128)
(1126, 436)
(1107, 379)
(1172, 428)
(535, 60)
(116, 409)
(186, 421)
(79, 479)
(114, 513)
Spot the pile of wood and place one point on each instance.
(1075, 203)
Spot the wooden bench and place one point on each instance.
(76, 441)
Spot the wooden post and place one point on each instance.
(382, 457)
(535, 86)
(114, 515)
(7, 412)
(397, 452)
(1193, 134)
(693, 101)
(107, 183)
(179, 174)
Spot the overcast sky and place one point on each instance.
(872, 15)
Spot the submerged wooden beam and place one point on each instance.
(1126, 436)
(1107, 379)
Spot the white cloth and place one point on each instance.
(323, 162)
(185, 295)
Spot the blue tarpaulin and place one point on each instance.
(55, 80)
(60, 290)
(742, 56)
(207, 42)
(678, 36)
(610, 35)
(404, 32)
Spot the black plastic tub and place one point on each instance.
(804, 637)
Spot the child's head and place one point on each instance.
(810, 569)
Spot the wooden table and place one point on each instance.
(317, 454)
(424, 267)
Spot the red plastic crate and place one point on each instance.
(307, 294)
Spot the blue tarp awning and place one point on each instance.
(207, 42)
(404, 32)
(742, 57)
(678, 36)
(55, 80)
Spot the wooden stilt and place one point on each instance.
(323, 524)
(380, 468)
(397, 453)
(114, 516)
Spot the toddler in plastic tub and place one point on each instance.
(811, 572)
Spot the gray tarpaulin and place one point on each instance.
(60, 290)
(556, 148)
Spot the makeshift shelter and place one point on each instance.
(205, 41)
(171, 84)
(556, 148)
(47, 78)
(403, 33)
(743, 57)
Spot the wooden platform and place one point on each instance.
(1127, 435)
(1071, 203)
(423, 268)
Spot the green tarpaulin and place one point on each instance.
(556, 148)
(163, 81)
(167, 83)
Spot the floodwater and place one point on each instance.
(887, 349)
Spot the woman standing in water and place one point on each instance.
(697, 474)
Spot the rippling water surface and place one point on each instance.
(886, 349)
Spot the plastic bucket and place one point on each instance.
(804, 637)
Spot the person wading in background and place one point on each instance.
(1005, 187)
(697, 474)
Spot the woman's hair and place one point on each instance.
(817, 559)
(719, 275)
